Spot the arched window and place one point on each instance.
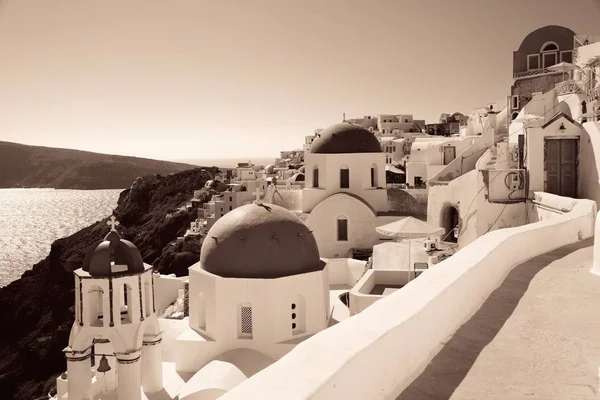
(451, 222)
(374, 175)
(549, 46)
(344, 177)
(95, 305)
(126, 309)
(342, 229)
(316, 177)
(148, 299)
(549, 54)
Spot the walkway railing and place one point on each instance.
(568, 87)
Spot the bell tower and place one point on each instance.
(115, 324)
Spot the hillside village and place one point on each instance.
(342, 269)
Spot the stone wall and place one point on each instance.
(410, 201)
(525, 87)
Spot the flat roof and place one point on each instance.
(385, 289)
(535, 337)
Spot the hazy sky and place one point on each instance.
(176, 79)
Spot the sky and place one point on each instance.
(200, 79)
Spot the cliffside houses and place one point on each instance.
(277, 267)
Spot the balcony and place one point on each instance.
(568, 87)
(533, 72)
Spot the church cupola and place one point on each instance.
(115, 323)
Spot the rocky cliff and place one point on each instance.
(36, 311)
(46, 167)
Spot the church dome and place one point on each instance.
(261, 241)
(113, 256)
(345, 138)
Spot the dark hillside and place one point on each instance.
(46, 167)
(36, 311)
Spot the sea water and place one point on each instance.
(31, 219)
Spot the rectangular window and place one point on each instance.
(344, 178)
(230, 208)
(566, 56)
(246, 320)
(549, 59)
(515, 102)
(316, 177)
(533, 62)
(372, 177)
(342, 230)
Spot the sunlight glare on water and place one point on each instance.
(31, 219)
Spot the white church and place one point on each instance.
(345, 197)
(259, 289)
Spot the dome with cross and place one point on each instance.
(113, 256)
(262, 241)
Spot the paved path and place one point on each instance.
(536, 337)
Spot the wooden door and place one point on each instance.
(561, 167)
(568, 168)
(449, 154)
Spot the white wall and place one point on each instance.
(270, 300)
(323, 222)
(589, 153)
(459, 193)
(379, 352)
(344, 271)
(360, 295)
(359, 165)
(394, 255)
(166, 290)
(535, 150)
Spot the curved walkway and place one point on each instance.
(536, 337)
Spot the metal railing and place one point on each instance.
(533, 72)
(568, 87)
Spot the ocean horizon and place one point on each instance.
(225, 162)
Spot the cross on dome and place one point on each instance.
(113, 223)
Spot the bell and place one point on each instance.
(103, 367)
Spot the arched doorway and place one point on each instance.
(450, 219)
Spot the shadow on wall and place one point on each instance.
(412, 201)
(590, 147)
(452, 364)
(289, 199)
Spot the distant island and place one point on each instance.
(24, 166)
